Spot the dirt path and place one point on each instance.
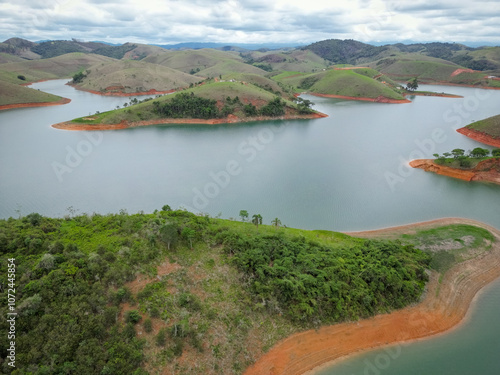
(442, 308)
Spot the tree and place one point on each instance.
(496, 153)
(304, 105)
(412, 84)
(244, 215)
(256, 220)
(276, 222)
(457, 153)
(168, 234)
(189, 234)
(479, 152)
(166, 207)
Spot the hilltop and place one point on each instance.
(129, 77)
(350, 83)
(211, 102)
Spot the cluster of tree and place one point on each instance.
(463, 158)
(79, 77)
(186, 105)
(305, 279)
(412, 84)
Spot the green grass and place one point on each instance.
(460, 240)
(15, 94)
(490, 126)
(230, 66)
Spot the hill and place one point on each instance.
(259, 81)
(16, 94)
(128, 76)
(295, 60)
(126, 294)
(230, 66)
(345, 51)
(7, 58)
(209, 103)
(486, 131)
(192, 61)
(57, 67)
(354, 83)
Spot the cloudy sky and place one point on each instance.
(252, 21)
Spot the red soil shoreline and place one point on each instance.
(479, 173)
(480, 136)
(379, 99)
(42, 104)
(231, 119)
(123, 94)
(443, 307)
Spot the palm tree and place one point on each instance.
(257, 219)
(276, 222)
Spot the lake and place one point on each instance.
(346, 172)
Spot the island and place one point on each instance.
(210, 102)
(486, 131)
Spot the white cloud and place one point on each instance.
(294, 21)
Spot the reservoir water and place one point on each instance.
(345, 172)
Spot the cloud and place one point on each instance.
(248, 21)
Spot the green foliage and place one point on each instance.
(250, 110)
(79, 77)
(244, 215)
(496, 153)
(185, 105)
(148, 325)
(308, 82)
(309, 279)
(21, 77)
(412, 84)
(273, 108)
(133, 316)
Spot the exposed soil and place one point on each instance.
(379, 99)
(443, 307)
(44, 104)
(460, 71)
(480, 136)
(486, 170)
(68, 125)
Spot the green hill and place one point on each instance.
(63, 66)
(259, 81)
(230, 66)
(14, 94)
(207, 101)
(126, 294)
(296, 60)
(363, 83)
(192, 61)
(130, 76)
(490, 126)
(7, 58)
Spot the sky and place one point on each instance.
(296, 22)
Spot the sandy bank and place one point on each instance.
(480, 136)
(44, 104)
(231, 119)
(116, 91)
(379, 99)
(487, 170)
(443, 307)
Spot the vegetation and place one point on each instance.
(489, 126)
(458, 158)
(207, 295)
(15, 94)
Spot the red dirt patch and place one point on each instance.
(141, 281)
(460, 71)
(480, 136)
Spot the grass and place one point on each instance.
(14, 94)
(230, 66)
(135, 76)
(490, 126)
(451, 244)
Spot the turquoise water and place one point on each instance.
(473, 348)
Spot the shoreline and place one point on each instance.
(29, 105)
(443, 307)
(231, 119)
(428, 165)
(379, 99)
(122, 94)
(479, 136)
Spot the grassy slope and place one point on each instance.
(490, 125)
(218, 91)
(6, 58)
(135, 76)
(14, 94)
(57, 67)
(191, 59)
(343, 82)
(298, 60)
(230, 66)
(256, 80)
(142, 51)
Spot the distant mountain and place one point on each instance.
(227, 46)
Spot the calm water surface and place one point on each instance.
(345, 172)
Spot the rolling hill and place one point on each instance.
(128, 76)
(15, 94)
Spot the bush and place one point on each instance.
(132, 316)
(161, 337)
(148, 326)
